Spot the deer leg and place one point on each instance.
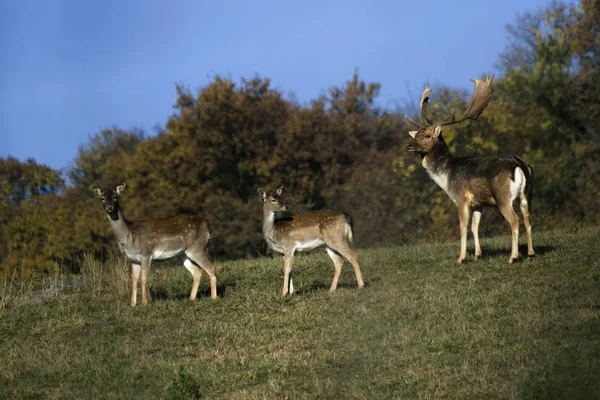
(463, 217)
(144, 276)
(350, 255)
(135, 277)
(287, 270)
(475, 230)
(508, 212)
(527, 222)
(196, 275)
(338, 262)
(201, 258)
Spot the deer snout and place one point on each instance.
(109, 208)
(410, 147)
(284, 207)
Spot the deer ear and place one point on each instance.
(279, 190)
(437, 131)
(262, 193)
(412, 133)
(120, 189)
(97, 192)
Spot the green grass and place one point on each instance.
(423, 327)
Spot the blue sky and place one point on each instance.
(71, 68)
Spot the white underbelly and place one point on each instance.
(163, 254)
(157, 254)
(308, 245)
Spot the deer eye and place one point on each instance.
(102, 198)
(273, 201)
(428, 136)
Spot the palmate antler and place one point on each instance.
(480, 99)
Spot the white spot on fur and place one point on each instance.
(441, 180)
(189, 266)
(136, 268)
(349, 234)
(517, 187)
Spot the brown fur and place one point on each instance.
(304, 232)
(144, 241)
(475, 182)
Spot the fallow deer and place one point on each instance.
(160, 239)
(306, 232)
(476, 181)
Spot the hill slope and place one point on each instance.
(423, 327)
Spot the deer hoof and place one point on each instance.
(513, 260)
(531, 255)
(477, 257)
(460, 260)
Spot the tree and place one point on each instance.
(546, 111)
(23, 185)
(104, 158)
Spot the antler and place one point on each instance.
(479, 101)
(426, 115)
(425, 110)
(412, 122)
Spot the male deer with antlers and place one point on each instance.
(159, 239)
(476, 181)
(306, 232)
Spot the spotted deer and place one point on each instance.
(306, 232)
(159, 239)
(476, 181)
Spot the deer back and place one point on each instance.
(481, 180)
(181, 231)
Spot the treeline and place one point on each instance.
(341, 151)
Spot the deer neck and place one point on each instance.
(269, 223)
(437, 163)
(272, 236)
(120, 226)
(438, 158)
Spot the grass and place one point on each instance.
(423, 327)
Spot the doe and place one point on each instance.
(159, 239)
(307, 232)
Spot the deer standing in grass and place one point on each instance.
(160, 239)
(307, 232)
(476, 181)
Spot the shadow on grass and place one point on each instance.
(162, 294)
(323, 287)
(539, 251)
(575, 372)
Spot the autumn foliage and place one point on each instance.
(342, 150)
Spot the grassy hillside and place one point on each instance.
(423, 327)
